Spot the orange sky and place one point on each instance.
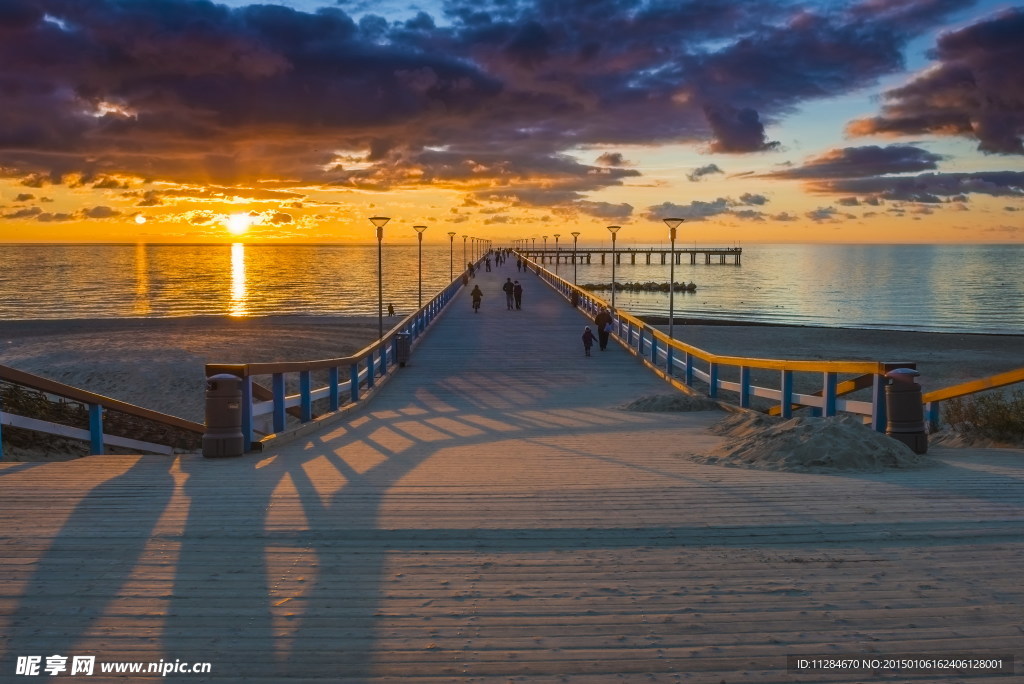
(831, 122)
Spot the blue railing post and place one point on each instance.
(371, 368)
(828, 393)
(744, 386)
(786, 407)
(670, 359)
(278, 409)
(654, 350)
(932, 415)
(353, 384)
(95, 429)
(333, 392)
(305, 398)
(878, 418)
(713, 380)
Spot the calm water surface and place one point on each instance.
(957, 288)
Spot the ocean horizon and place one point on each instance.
(955, 288)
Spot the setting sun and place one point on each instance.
(238, 224)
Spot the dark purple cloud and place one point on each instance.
(737, 130)
(751, 198)
(195, 92)
(702, 171)
(859, 162)
(930, 187)
(976, 89)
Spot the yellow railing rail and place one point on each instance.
(684, 365)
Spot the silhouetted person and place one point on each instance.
(477, 295)
(391, 309)
(517, 292)
(603, 321)
(509, 288)
(588, 340)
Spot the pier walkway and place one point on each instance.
(494, 515)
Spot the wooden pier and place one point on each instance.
(493, 515)
(711, 255)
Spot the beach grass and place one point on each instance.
(996, 415)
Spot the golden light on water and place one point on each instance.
(239, 292)
(141, 304)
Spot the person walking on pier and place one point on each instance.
(477, 295)
(604, 324)
(519, 265)
(517, 292)
(588, 340)
(509, 290)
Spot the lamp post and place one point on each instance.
(379, 222)
(613, 230)
(419, 235)
(451, 257)
(556, 253)
(672, 224)
(575, 238)
(464, 251)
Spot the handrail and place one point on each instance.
(84, 396)
(97, 404)
(366, 369)
(975, 386)
(667, 357)
(933, 399)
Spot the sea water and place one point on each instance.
(946, 288)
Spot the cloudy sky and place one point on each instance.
(294, 121)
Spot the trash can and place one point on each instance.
(904, 411)
(403, 347)
(223, 436)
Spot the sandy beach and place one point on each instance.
(158, 363)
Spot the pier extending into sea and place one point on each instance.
(491, 512)
(585, 255)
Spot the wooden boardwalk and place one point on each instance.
(494, 516)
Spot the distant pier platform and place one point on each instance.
(721, 255)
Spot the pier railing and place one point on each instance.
(93, 418)
(687, 366)
(933, 400)
(345, 381)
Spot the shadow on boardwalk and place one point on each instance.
(493, 514)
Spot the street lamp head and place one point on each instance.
(419, 229)
(451, 235)
(379, 221)
(575, 234)
(672, 224)
(614, 229)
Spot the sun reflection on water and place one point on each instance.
(239, 292)
(141, 305)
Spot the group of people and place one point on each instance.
(513, 295)
(605, 325)
(513, 289)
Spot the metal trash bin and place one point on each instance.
(223, 436)
(403, 347)
(904, 411)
